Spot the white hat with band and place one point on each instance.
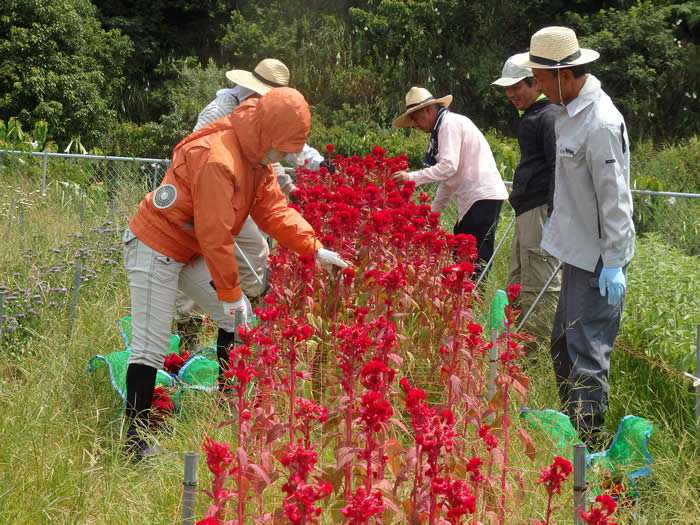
(269, 73)
(556, 48)
(418, 98)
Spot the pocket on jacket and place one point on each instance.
(570, 155)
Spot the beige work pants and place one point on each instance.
(253, 243)
(531, 267)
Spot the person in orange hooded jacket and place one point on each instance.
(182, 235)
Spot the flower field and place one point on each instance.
(396, 366)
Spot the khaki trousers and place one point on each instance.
(253, 243)
(154, 280)
(531, 267)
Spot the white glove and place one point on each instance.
(327, 259)
(237, 310)
(283, 178)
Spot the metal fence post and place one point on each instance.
(76, 289)
(189, 491)
(493, 358)
(579, 481)
(43, 174)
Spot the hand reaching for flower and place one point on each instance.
(400, 176)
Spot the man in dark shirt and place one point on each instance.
(531, 197)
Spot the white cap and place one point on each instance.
(513, 73)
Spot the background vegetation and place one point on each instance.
(129, 78)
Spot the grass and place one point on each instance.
(62, 429)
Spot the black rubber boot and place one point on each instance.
(224, 341)
(140, 384)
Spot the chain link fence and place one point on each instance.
(104, 182)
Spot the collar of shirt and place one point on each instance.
(590, 92)
(541, 97)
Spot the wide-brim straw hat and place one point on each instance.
(418, 98)
(512, 72)
(556, 48)
(269, 73)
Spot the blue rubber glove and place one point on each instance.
(612, 280)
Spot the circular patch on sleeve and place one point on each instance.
(164, 196)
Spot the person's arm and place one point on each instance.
(606, 157)
(449, 152)
(273, 216)
(219, 107)
(214, 217)
(308, 158)
(549, 143)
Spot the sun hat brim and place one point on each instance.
(586, 56)
(508, 81)
(249, 80)
(404, 121)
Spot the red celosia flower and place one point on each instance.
(218, 456)
(489, 440)
(555, 475)
(375, 410)
(456, 496)
(513, 291)
(209, 521)
(172, 363)
(600, 515)
(375, 375)
(348, 275)
(330, 148)
(362, 506)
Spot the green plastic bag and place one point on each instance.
(625, 460)
(199, 372)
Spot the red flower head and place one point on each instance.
(489, 439)
(330, 148)
(513, 291)
(362, 506)
(348, 276)
(218, 456)
(600, 515)
(173, 362)
(555, 475)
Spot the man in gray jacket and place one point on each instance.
(590, 230)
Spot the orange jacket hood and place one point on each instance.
(278, 120)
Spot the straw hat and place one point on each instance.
(269, 73)
(513, 73)
(418, 98)
(555, 48)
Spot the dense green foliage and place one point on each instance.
(57, 64)
(121, 75)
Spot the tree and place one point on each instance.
(58, 65)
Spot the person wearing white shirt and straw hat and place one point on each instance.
(252, 248)
(531, 197)
(590, 230)
(460, 159)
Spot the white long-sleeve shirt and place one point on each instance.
(592, 215)
(465, 168)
